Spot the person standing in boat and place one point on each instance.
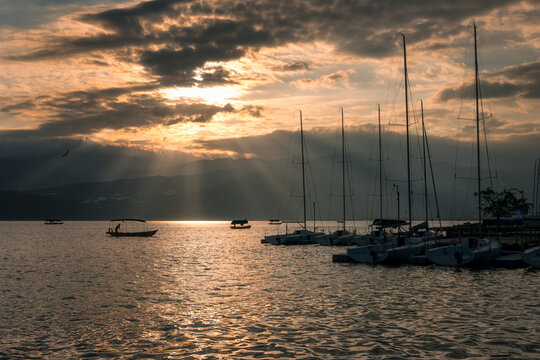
(117, 228)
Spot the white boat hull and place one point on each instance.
(486, 252)
(413, 246)
(298, 237)
(402, 253)
(337, 238)
(532, 257)
(451, 255)
(470, 252)
(368, 254)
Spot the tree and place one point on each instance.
(503, 204)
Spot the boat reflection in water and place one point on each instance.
(130, 227)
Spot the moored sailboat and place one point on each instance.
(373, 246)
(415, 245)
(340, 237)
(392, 248)
(301, 236)
(473, 250)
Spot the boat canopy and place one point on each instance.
(422, 225)
(386, 223)
(139, 220)
(239, 222)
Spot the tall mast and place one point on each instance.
(433, 179)
(303, 168)
(407, 125)
(343, 165)
(476, 94)
(425, 174)
(536, 180)
(380, 165)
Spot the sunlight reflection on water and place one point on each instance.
(202, 290)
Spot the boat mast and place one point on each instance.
(380, 165)
(407, 125)
(425, 174)
(536, 189)
(303, 168)
(314, 224)
(343, 165)
(433, 179)
(476, 94)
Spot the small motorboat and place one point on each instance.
(130, 228)
(53, 222)
(240, 224)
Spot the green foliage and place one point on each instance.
(503, 204)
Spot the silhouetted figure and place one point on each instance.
(117, 228)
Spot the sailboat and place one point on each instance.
(416, 245)
(373, 245)
(341, 236)
(394, 248)
(472, 250)
(301, 236)
(391, 248)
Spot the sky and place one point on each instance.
(200, 78)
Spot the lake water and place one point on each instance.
(203, 291)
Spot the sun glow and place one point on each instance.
(197, 222)
(213, 95)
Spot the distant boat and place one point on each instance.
(240, 224)
(532, 257)
(130, 227)
(53, 222)
(275, 222)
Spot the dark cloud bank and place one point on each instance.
(175, 39)
(84, 184)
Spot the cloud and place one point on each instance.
(182, 43)
(333, 79)
(295, 66)
(130, 19)
(31, 13)
(525, 71)
(509, 153)
(217, 75)
(490, 90)
(87, 112)
(24, 105)
(253, 110)
(521, 80)
(190, 33)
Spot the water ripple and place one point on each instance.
(204, 291)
